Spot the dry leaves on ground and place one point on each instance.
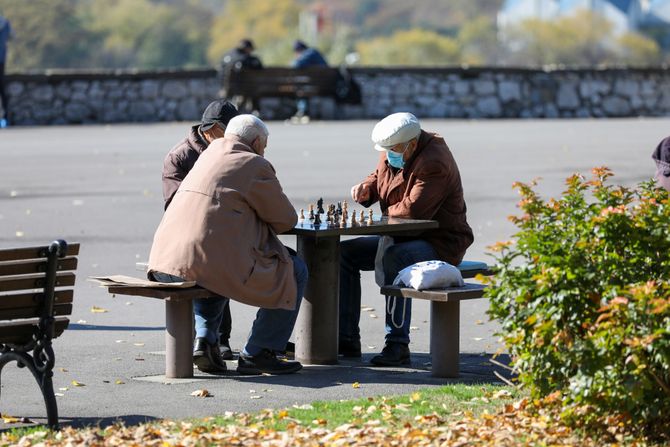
(515, 424)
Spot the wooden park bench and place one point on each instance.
(35, 302)
(282, 82)
(445, 316)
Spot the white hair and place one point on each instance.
(247, 128)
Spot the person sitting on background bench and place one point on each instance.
(237, 59)
(305, 57)
(417, 178)
(220, 231)
(661, 156)
(180, 160)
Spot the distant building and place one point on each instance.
(649, 16)
(625, 15)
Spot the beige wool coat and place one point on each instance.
(221, 228)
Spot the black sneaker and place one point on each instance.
(393, 354)
(350, 349)
(265, 362)
(207, 357)
(288, 351)
(226, 352)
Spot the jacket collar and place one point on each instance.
(197, 141)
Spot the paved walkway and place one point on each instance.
(100, 186)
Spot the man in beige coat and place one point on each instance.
(221, 232)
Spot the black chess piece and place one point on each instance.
(339, 208)
(317, 219)
(319, 206)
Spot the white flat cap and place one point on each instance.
(395, 129)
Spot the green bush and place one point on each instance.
(584, 300)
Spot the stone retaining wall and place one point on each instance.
(127, 96)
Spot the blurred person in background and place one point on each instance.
(661, 156)
(239, 58)
(5, 35)
(305, 57)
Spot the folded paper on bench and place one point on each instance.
(129, 281)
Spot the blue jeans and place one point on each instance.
(358, 255)
(272, 327)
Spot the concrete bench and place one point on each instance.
(445, 316)
(179, 324)
(35, 302)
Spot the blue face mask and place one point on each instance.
(395, 159)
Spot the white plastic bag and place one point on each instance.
(429, 275)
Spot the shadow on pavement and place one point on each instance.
(95, 327)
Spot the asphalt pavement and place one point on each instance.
(101, 186)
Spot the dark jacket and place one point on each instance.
(428, 187)
(309, 58)
(236, 59)
(179, 161)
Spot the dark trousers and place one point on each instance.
(226, 324)
(3, 94)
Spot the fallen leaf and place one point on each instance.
(119, 382)
(10, 419)
(255, 396)
(75, 383)
(98, 310)
(59, 394)
(62, 370)
(63, 388)
(201, 393)
(356, 385)
(478, 338)
(373, 316)
(479, 322)
(138, 344)
(81, 322)
(414, 397)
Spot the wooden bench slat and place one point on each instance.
(170, 294)
(30, 312)
(30, 299)
(35, 281)
(33, 252)
(467, 292)
(21, 331)
(35, 266)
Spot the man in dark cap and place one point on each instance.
(661, 156)
(180, 160)
(240, 57)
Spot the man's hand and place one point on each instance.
(360, 193)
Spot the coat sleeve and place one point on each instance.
(267, 198)
(173, 175)
(427, 193)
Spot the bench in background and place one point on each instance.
(35, 300)
(283, 82)
(445, 316)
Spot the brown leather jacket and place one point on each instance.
(428, 187)
(179, 161)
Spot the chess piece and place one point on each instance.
(370, 220)
(311, 213)
(343, 223)
(339, 208)
(345, 215)
(353, 218)
(302, 214)
(362, 217)
(319, 206)
(317, 219)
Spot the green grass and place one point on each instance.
(449, 402)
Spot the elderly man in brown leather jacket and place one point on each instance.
(416, 177)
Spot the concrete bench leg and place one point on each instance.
(178, 339)
(444, 342)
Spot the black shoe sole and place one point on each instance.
(205, 365)
(255, 371)
(385, 362)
